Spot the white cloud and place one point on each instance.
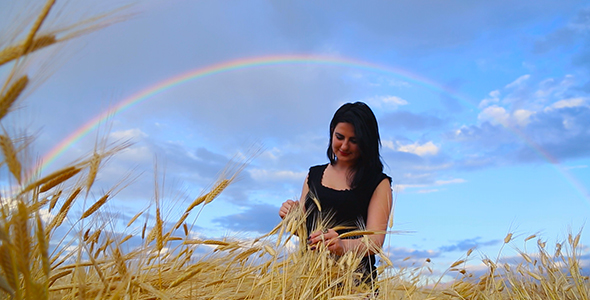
(450, 181)
(518, 82)
(398, 83)
(428, 191)
(494, 98)
(495, 115)
(575, 167)
(498, 115)
(394, 100)
(136, 154)
(385, 102)
(522, 117)
(130, 134)
(280, 175)
(388, 144)
(573, 102)
(428, 148)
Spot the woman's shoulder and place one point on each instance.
(385, 176)
(376, 180)
(318, 168)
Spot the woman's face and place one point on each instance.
(344, 143)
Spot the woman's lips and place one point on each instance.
(343, 153)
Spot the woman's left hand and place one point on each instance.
(328, 237)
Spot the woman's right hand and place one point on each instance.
(286, 207)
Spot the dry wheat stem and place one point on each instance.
(41, 17)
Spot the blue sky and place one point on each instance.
(488, 131)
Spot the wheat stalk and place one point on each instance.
(41, 17)
(197, 201)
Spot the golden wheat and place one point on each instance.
(42, 245)
(158, 232)
(507, 238)
(93, 170)
(63, 211)
(7, 261)
(95, 206)
(217, 190)
(59, 178)
(14, 165)
(54, 199)
(12, 93)
(134, 218)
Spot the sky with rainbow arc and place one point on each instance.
(483, 108)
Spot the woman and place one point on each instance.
(352, 189)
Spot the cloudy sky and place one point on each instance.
(483, 107)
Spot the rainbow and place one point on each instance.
(233, 65)
(275, 60)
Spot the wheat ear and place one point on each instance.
(54, 199)
(43, 249)
(14, 52)
(47, 179)
(216, 191)
(135, 218)
(12, 93)
(63, 211)
(23, 244)
(8, 266)
(59, 179)
(94, 164)
(159, 239)
(95, 206)
(12, 161)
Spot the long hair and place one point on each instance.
(368, 166)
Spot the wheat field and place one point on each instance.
(50, 251)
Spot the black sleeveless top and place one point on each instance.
(340, 208)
